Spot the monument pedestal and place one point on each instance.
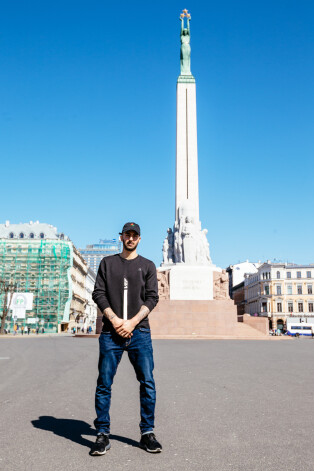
(191, 282)
(204, 319)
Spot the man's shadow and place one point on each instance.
(73, 430)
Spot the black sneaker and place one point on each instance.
(101, 445)
(149, 443)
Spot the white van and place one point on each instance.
(295, 329)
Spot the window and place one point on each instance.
(278, 289)
(310, 307)
(300, 307)
(264, 307)
(278, 275)
(11, 235)
(31, 236)
(289, 289)
(279, 307)
(299, 289)
(266, 290)
(42, 235)
(309, 289)
(21, 235)
(288, 274)
(290, 307)
(298, 274)
(308, 274)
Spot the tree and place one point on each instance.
(7, 288)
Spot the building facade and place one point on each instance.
(41, 261)
(238, 298)
(237, 271)
(38, 260)
(79, 302)
(93, 254)
(91, 307)
(279, 291)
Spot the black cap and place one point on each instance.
(131, 226)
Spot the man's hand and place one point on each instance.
(126, 328)
(116, 322)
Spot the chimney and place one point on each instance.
(7, 223)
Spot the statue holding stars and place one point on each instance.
(185, 53)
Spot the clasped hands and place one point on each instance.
(123, 327)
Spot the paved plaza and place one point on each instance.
(221, 405)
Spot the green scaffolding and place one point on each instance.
(41, 267)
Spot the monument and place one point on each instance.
(194, 293)
(186, 252)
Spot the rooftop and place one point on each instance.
(30, 230)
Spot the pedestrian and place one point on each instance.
(22, 329)
(28, 330)
(37, 330)
(42, 330)
(126, 291)
(15, 329)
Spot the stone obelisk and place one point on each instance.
(186, 249)
(186, 143)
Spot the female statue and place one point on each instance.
(185, 53)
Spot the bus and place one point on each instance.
(295, 329)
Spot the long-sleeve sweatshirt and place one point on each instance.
(126, 285)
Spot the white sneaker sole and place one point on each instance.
(144, 447)
(99, 453)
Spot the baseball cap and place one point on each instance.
(131, 226)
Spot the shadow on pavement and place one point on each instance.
(73, 430)
(126, 440)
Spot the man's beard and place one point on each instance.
(129, 249)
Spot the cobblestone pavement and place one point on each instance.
(221, 405)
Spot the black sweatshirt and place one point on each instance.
(117, 278)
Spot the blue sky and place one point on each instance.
(88, 113)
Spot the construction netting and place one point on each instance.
(41, 267)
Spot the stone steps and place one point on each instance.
(245, 329)
(218, 337)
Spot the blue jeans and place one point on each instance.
(140, 351)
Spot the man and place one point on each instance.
(126, 290)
